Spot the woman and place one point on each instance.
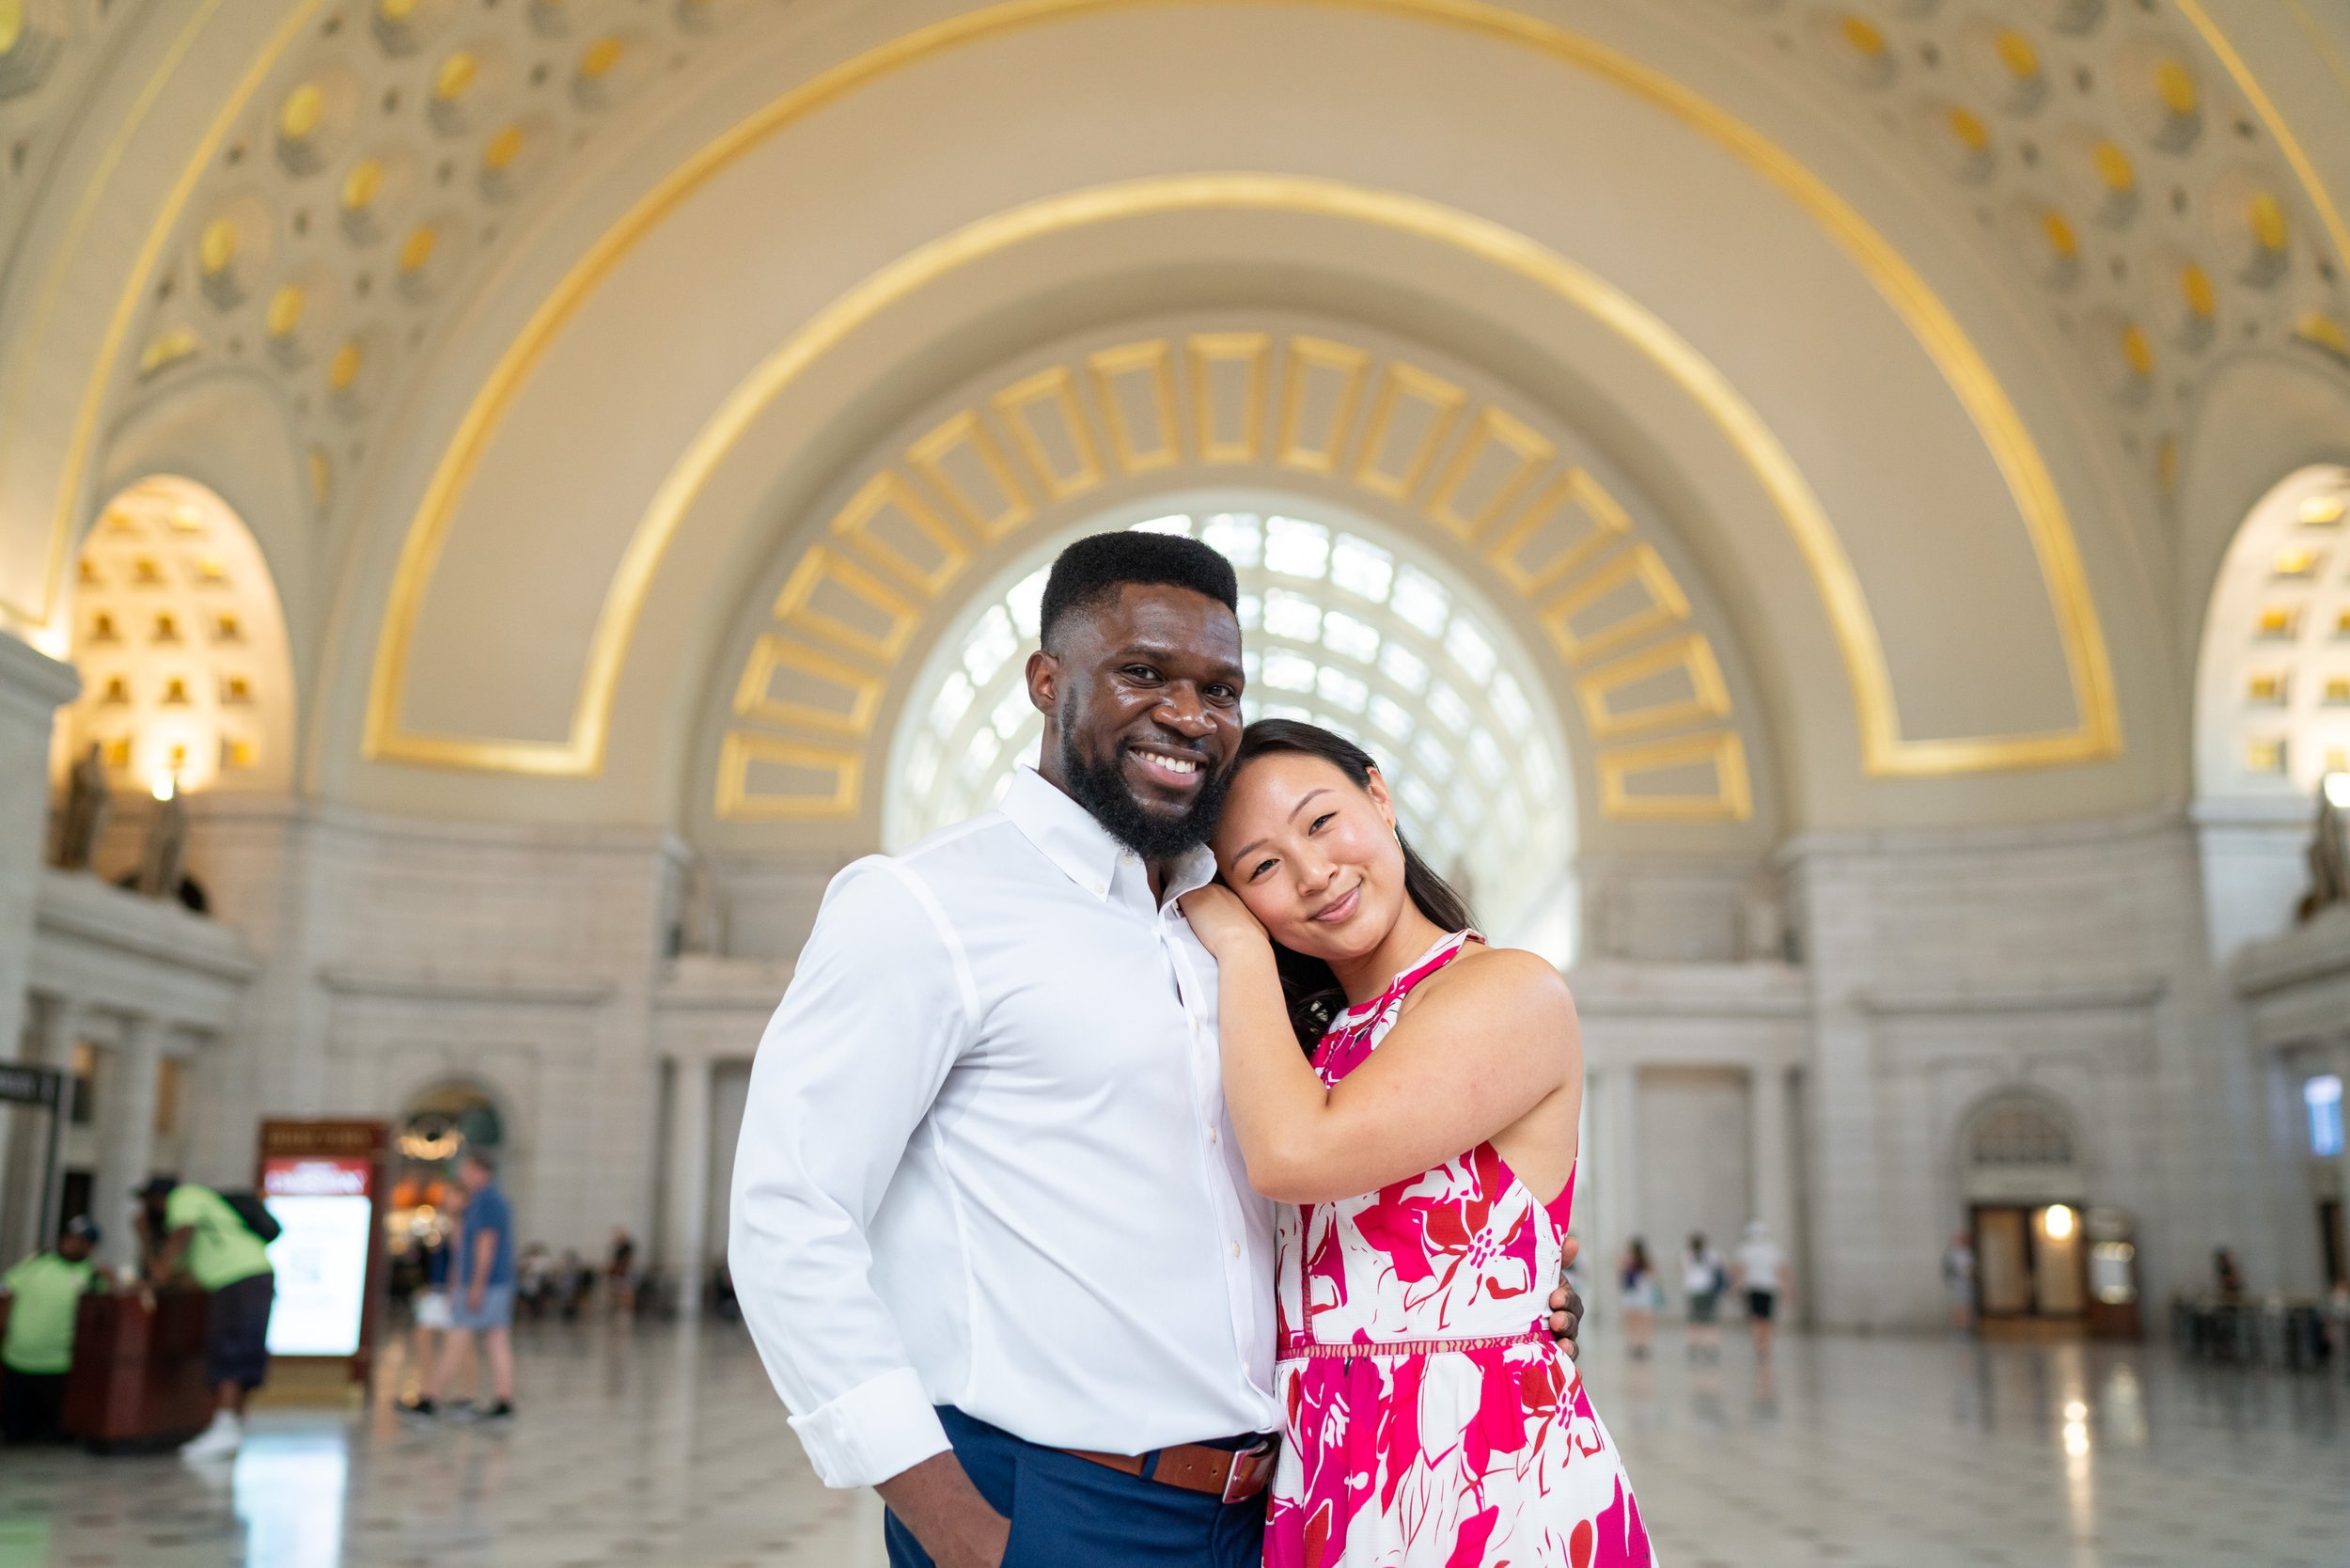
(1703, 1280)
(1425, 1160)
(1641, 1298)
(432, 1315)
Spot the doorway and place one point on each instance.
(2031, 1262)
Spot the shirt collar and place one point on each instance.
(1071, 838)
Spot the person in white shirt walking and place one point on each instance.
(1763, 1274)
(989, 1227)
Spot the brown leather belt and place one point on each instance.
(1234, 1475)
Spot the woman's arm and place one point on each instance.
(1481, 1046)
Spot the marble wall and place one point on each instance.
(2073, 959)
(390, 954)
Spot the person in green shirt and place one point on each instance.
(203, 1237)
(44, 1296)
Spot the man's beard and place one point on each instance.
(1101, 788)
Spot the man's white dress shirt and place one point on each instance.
(986, 1163)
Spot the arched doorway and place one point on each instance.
(437, 1128)
(2027, 1190)
(1348, 625)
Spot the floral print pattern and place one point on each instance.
(1429, 1419)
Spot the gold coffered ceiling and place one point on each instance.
(371, 169)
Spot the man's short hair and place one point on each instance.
(1091, 570)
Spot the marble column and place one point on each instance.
(25, 1176)
(126, 1134)
(684, 1228)
(2341, 1155)
(32, 685)
(1772, 1188)
(1614, 1118)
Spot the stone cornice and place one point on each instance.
(32, 682)
(2319, 951)
(441, 985)
(2130, 994)
(78, 905)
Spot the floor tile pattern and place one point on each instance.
(660, 1446)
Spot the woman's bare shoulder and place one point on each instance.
(1488, 977)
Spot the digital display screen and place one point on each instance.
(327, 1214)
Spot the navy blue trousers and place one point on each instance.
(1071, 1512)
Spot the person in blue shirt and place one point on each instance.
(480, 1293)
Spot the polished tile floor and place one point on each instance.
(664, 1447)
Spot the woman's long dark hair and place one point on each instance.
(1309, 986)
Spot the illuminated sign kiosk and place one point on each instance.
(323, 1182)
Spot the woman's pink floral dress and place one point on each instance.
(1430, 1421)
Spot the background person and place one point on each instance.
(1642, 1295)
(1704, 1280)
(202, 1234)
(1958, 1277)
(433, 1301)
(45, 1294)
(532, 1281)
(482, 1294)
(621, 1275)
(1763, 1274)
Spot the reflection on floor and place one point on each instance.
(663, 1446)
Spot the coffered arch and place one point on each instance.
(2033, 627)
(1266, 414)
(375, 199)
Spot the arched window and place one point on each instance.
(2018, 1130)
(1345, 627)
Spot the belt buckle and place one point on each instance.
(1252, 1469)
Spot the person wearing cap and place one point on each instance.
(45, 1297)
(203, 1235)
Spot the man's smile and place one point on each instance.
(1168, 767)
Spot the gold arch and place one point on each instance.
(2257, 96)
(84, 430)
(1542, 529)
(1886, 751)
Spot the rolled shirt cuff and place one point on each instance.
(878, 1429)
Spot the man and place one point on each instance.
(1763, 1274)
(480, 1293)
(989, 1227)
(205, 1236)
(45, 1294)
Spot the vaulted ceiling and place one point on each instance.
(1984, 267)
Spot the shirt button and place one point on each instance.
(1212, 1134)
(1236, 1249)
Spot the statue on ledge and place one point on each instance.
(700, 925)
(166, 853)
(83, 818)
(2329, 854)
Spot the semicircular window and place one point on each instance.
(2019, 1129)
(1344, 628)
